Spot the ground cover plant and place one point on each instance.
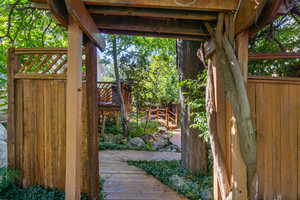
(10, 189)
(111, 146)
(172, 174)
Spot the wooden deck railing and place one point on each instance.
(108, 94)
(165, 116)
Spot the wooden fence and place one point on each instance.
(37, 119)
(275, 108)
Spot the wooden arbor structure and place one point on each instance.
(85, 19)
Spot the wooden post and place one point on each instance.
(73, 113)
(221, 122)
(92, 116)
(13, 65)
(167, 118)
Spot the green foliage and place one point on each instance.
(144, 128)
(135, 129)
(282, 35)
(149, 64)
(163, 170)
(194, 91)
(10, 189)
(112, 128)
(111, 146)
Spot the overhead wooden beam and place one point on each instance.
(153, 12)
(140, 24)
(73, 110)
(59, 11)
(151, 34)
(207, 5)
(80, 14)
(248, 14)
(272, 56)
(269, 14)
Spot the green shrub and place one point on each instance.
(163, 170)
(10, 189)
(111, 146)
(112, 128)
(134, 129)
(138, 130)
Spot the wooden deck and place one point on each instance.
(124, 182)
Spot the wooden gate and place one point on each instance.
(37, 120)
(275, 108)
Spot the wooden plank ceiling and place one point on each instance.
(159, 18)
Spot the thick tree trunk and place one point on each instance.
(194, 149)
(236, 93)
(117, 74)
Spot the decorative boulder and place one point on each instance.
(148, 138)
(3, 146)
(160, 142)
(136, 142)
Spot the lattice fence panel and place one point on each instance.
(104, 92)
(44, 62)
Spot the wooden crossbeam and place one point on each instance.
(80, 14)
(271, 56)
(217, 5)
(151, 34)
(153, 12)
(59, 10)
(141, 24)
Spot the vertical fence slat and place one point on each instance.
(260, 137)
(276, 126)
(61, 134)
(268, 139)
(40, 132)
(19, 124)
(284, 143)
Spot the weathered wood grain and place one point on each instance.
(212, 5)
(73, 113)
(92, 118)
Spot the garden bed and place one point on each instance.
(194, 187)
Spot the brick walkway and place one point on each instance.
(124, 182)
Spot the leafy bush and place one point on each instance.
(134, 129)
(143, 128)
(112, 128)
(163, 170)
(111, 146)
(195, 98)
(10, 189)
